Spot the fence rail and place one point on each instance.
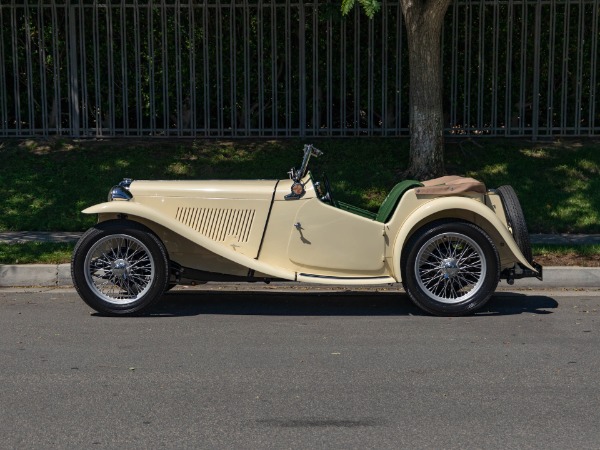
(240, 68)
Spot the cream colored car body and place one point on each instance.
(249, 229)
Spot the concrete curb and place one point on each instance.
(54, 275)
(29, 275)
(563, 277)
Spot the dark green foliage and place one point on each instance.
(370, 7)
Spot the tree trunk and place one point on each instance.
(424, 20)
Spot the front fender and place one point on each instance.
(460, 208)
(138, 210)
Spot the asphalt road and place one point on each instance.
(300, 370)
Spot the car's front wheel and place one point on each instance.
(450, 268)
(120, 267)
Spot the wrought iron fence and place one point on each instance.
(239, 68)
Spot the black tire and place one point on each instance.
(516, 220)
(450, 268)
(120, 267)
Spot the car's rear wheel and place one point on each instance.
(450, 268)
(516, 220)
(120, 267)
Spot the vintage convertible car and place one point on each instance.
(448, 240)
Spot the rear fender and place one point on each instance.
(463, 208)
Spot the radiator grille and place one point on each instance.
(218, 223)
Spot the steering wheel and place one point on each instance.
(328, 197)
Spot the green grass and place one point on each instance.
(45, 184)
(585, 251)
(36, 253)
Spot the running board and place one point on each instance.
(354, 281)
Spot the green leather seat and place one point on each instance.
(388, 206)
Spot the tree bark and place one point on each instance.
(424, 21)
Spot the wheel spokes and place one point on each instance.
(450, 267)
(119, 268)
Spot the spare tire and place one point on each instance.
(516, 220)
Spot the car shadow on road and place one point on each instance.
(352, 303)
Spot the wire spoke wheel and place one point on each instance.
(450, 267)
(119, 268)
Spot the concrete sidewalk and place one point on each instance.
(19, 237)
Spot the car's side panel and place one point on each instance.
(329, 243)
(324, 237)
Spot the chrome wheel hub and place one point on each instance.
(120, 268)
(450, 268)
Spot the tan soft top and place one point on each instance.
(450, 185)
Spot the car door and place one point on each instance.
(325, 237)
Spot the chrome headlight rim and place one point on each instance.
(121, 191)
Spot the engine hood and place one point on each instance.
(210, 189)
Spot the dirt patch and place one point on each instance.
(568, 259)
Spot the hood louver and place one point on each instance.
(218, 223)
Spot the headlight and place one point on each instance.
(121, 191)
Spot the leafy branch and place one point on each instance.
(369, 6)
